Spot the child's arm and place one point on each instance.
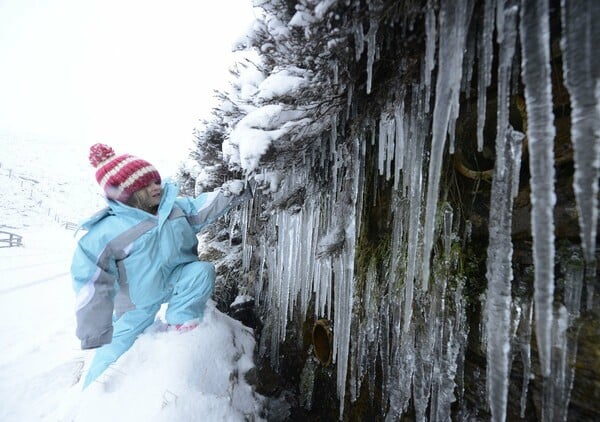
(95, 286)
(207, 207)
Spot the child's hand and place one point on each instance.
(233, 187)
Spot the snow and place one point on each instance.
(248, 80)
(181, 376)
(256, 131)
(165, 376)
(40, 352)
(302, 18)
(288, 81)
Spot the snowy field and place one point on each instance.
(40, 355)
(166, 376)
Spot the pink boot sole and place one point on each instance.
(185, 327)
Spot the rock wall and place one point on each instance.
(415, 242)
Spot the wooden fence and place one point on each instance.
(10, 240)
(70, 226)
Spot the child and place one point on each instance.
(138, 253)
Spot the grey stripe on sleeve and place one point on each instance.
(176, 212)
(123, 301)
(119, 248)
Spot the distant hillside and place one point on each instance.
(44, 181)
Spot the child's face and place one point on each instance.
(153, 192)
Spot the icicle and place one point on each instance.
(354, 380)
(390, 135)
(322, 156)
(535, 45)
(453, 17)
(385, 147)
(447, 213)
(371, 48)
(371, 326)
(555, 394)
(308, 252)
(468, 64)
(453, 338)
(484, 71)
(517, 152)
(371, 125)
(423, 373)
(524, 342)
(343, 269)
(384, 343)
(403, 371)
(258, 288)
(499, 252)
(415, 181)
(431, 34)
(573, 270)
(451, 127)
(334, 65)
(499, 276)
(333, 135)
(359, 40)
(500, 10)
(382, 145)
(400, 142)
(507, 50)
(349, 100)
(581, 68)
(375, 8)
(557, 389)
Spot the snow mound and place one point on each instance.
(168, 376)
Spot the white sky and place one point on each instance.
(135, 74)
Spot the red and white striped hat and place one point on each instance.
(121, 175)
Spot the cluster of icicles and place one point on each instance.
(413, 321)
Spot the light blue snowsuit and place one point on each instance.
(130, 262)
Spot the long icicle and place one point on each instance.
(499, 252)
(535, 47)
(581, 67)
(484, 77)
(453, 17)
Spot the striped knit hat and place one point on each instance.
(121, 175)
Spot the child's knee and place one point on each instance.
(207, 269)
(204, 272)
(200, 277)
(209, 275)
